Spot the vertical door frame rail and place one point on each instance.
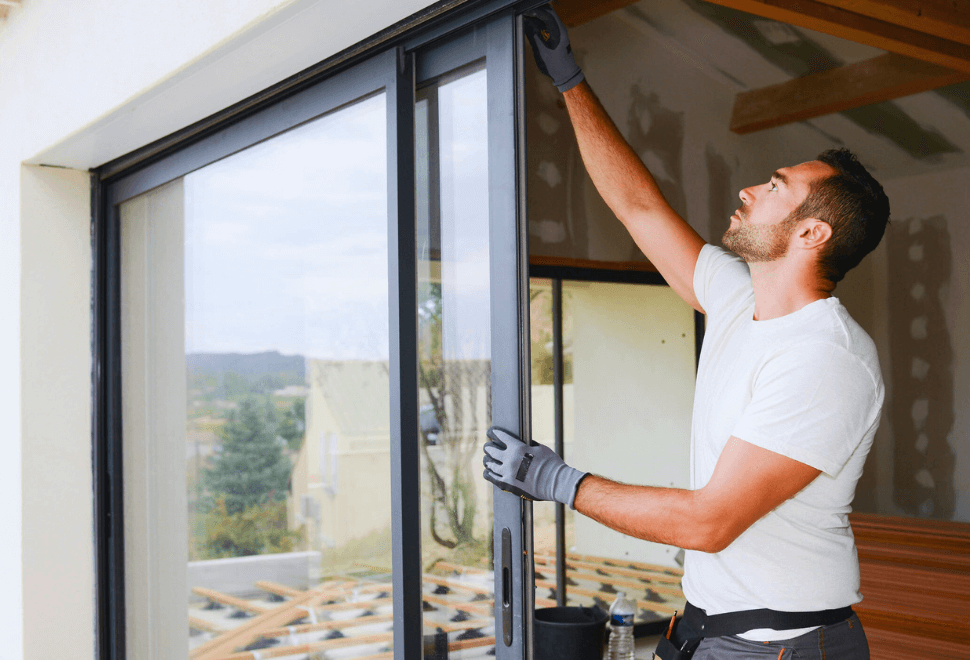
(386, 66)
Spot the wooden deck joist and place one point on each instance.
(278, 589)
(454, 584)
(589, 593)
(204, 626)
(250, 630)
(459, 568)
(331, 644)
(232, 601)
(611, 569)
(590, 575)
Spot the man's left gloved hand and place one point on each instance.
(533, 471)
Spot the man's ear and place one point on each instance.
(813, 233)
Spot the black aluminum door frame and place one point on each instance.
(498, 40)
(496, 35)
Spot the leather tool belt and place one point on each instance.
(697, 624)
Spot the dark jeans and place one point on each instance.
(845, 640)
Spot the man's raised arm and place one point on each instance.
(621, 178)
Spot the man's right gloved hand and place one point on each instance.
(550, 45)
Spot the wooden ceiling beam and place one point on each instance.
(577, 12)
(943, 18)
(838, 22)
(882, 78)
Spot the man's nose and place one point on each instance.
(745, 195)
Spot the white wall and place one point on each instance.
(82, 83)
(633, 386)
(921, 204)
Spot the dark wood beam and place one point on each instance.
(839, 22)
(577, 12)
(570, 262)
(882, 78)
(948, 19)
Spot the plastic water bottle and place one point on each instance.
(622, 612)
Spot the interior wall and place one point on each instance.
(910, 294)
(927, 284)
(633, 392)
(676, 119)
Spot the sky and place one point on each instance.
(286, 242)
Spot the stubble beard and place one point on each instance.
(759, 243)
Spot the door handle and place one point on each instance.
(507, 590)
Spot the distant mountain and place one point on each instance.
(251, 365)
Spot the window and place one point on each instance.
(255, 413)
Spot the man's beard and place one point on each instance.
(759, 243)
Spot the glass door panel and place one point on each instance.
(454, 346)
(628, 355)
(256, 402)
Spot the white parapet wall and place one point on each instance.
(237, 576)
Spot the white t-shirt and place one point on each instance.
(806, 385)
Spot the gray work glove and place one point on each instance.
(550, 45)
(534, 471)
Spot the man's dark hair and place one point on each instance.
(854, 205)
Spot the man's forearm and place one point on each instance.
(665, 515)
(629, 189)
(616, 170)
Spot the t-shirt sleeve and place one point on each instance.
(813, 403)
(720, 278)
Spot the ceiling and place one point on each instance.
(918, 133)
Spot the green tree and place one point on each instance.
(251, 469)
(293, 424)
(452, 480)
(259, 529)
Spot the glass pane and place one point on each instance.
(284, 398)
(628, 393)
(455, 363)
(543, 415)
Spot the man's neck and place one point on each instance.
(781, 288)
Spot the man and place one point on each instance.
(787, 402)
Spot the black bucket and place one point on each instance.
(570, 633)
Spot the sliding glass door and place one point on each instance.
(307, 320)
(470, 293)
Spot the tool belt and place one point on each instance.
(698, 624)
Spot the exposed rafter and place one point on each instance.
(948, 19)
(577, 12)
(882, 78)
(831, 19)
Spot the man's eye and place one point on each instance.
(774, 187)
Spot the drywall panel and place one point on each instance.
(633, 392)
(928, 283)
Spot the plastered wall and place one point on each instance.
(910, 294)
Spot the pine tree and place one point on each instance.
(251, 468)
